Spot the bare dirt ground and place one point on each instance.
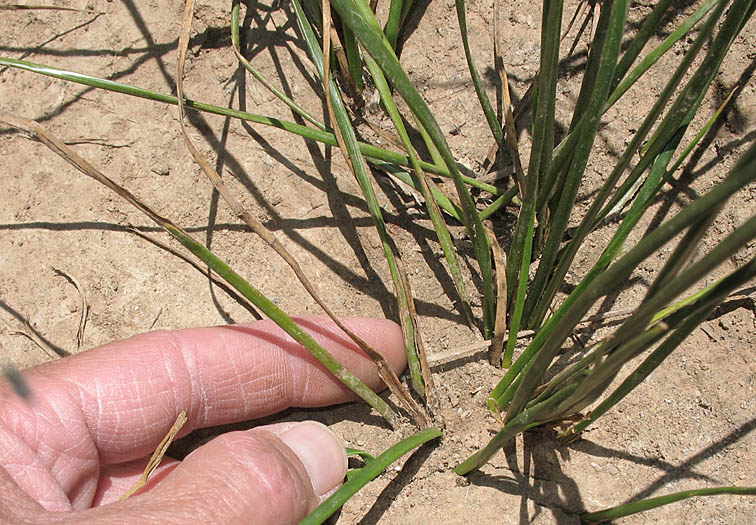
(689, 425)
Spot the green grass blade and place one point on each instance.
(685, 250)
(524, 419)
(685, 106)
(667, 314)
(406, 6)
(411, 179)
(704, 306)
(442, 232)
(603, 59)
(352, 50)
(358, 16)
(264, 304)
(598, 208)
(436, 157)
(297, 129)
(543, 137)
(645, 315)
(699, 311)
(651, 25)
(692, 311)
(692, 94)
(306, 132)
(505, 389)
(602, 282)
(286, 323)
(643, 200)
(682, 303)
(627, 509)
(693, 143)
(361, 174)
(504, 392)
(501, 201)
(602, 40)
(259, 76)
(394, 22)
(528, 211)
(366, 456)
(369, 472)
(649, 60)
(480, 90)
(568, 143)
(670, 284)
(649, 188)
(602, 373)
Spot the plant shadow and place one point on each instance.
(396, 485)
(540, 482)
(672, 472)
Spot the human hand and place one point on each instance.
(85, 434)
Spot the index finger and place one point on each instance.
(126, 395)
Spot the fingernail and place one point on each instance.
(320, 451)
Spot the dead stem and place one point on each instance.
(500, 325)
(387, 374)
(157, 456)
(83, 307)
(56, 145)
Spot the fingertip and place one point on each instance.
(249, 476)
(320, 451)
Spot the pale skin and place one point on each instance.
(84, 436)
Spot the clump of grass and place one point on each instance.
(520, 282)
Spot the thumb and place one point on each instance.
(264, 475)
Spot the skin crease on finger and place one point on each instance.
(243, 474)
(113, 404)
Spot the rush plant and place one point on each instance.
(353, 53)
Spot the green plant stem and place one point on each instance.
(264, 304)
(443, 201)
(350, 149)
(706, 301)
(693, 143)
(394, 22)
(593, 93)
(485, 102)
(259, 76)
(593, 354)
(508, 385)
(369, 472)
(564, 148)
(597, 208)
(544, 347)
(286, 323)
(502, 200)
(620, 88)
(670, 284)
(543, 142)
(514, 327)
(406, 6)
(518, 424)
(442, 232)
(306, 132)
(627, 509)
(362, 22)
(684, 108)
(649, 28)
(604, 370)
(354, 60)
(652, 185)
